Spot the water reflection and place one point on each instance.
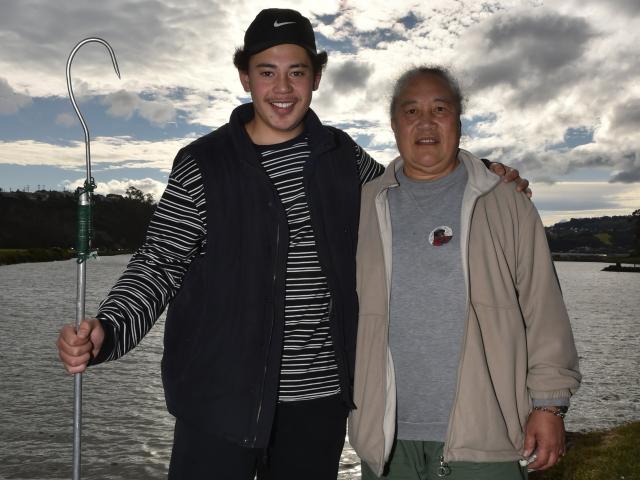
(127, 431)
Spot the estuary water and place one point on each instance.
(127, 432)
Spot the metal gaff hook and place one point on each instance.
(83, 249)
(72, 97)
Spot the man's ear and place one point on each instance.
(244, 80)
(316, 81)
(393, 125)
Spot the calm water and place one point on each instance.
(127, 432)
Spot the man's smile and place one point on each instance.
(427, 141)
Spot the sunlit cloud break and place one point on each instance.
(552, 86)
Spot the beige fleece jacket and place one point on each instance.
(517, 346)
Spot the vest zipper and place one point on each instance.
(266, 363)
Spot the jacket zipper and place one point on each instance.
(387, 352)
(443, 470)
(445, 448)
(266, 363)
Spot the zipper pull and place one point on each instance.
(444, 469)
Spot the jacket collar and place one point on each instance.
(481, 179)
(320, 138)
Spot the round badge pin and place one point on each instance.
(440, 235)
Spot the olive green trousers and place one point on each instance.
(416, 460)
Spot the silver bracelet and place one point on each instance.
(557, 411)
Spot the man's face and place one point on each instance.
(427, 129)
(281, 82)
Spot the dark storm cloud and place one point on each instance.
(626, 117)
(630, 176)
(350, 76)
(537, 55)
(630, 169)
(42, 33)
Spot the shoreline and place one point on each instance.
(617, 267)
(15, 256)
(627, 264)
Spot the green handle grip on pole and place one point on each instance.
(85, 221)
(84, 229)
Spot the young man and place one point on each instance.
(465, 358)
(253, 243)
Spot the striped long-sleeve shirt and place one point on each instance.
(177, 234)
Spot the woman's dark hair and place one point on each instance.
(318, 60)
(439, 72)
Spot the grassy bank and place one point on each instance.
(11, 256)
(608, 455)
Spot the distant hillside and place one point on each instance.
(48, 219)
(601, 235)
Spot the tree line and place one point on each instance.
(47, 219)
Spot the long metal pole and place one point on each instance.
(83, 249)
(77, 380)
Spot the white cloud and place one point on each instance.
(124, 104)
(565, 200)
(66, 119)
(10, 100)
(105, 152)
(534, 70)
(119, 186)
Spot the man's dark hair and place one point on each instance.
(318, 60)
(437, 71)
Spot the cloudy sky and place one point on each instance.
(553, 86)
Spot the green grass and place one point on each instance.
(604, 238)
(607, 455)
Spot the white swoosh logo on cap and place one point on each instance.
(276, 24)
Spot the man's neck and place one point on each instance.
(268, 136)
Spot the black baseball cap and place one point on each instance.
(275, 26)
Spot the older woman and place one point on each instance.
(465, 360)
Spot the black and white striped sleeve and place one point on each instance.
(176, 234)
(368, 168)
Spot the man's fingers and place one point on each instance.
(68, 338)
(548, 452)
(74, 349)
(547, 459)
(522, 184)
(498, 168)
(74, 363)
(85, 329)
(510, 175)
(529, 445)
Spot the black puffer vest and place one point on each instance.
(224, 329)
